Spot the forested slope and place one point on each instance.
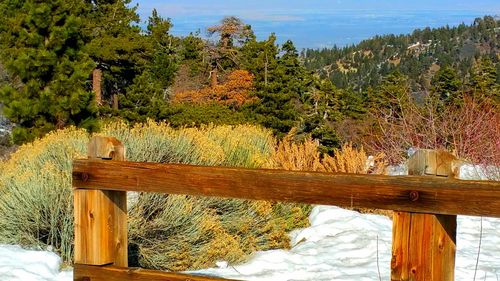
(418, 55)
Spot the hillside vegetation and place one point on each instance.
(73, 63)
(171, 232)
(418, 55)
(70, 69)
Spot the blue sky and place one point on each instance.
(320, 23)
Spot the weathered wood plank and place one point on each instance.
(93, 235)
(112, 273)
(424, 244)
(101, 215)
(444, 247)
(400, 242)
(404, 193)
(433, 162)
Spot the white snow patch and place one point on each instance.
(339, 245)
(342, 245)
(19, 264)
(399, 170)
(478, 172)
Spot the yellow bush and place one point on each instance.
(305, 156)
(35, 192)
(170, 231)
(355, 161)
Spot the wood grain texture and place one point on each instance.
(400, 242)
(433, 162)
(113, 273)
(424, 244)
(444, 247)
(423, 247)
(93, 233)
(404, 193)
(101, 215)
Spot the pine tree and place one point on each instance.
(483, 82)
(150, 89)
(391, 95)
(260, 58)
(116, 45)
(352, 104)
(322, 110)
(225, 54)
(42, 45)
(279, 99)
(447, 87)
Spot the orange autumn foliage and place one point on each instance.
(233, 92)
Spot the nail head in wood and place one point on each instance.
(414, 196)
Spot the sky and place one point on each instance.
(320, 23)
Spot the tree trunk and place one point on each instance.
(96, 85)
(213, 78)
(115, 101)
(265, 70)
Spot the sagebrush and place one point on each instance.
(170, 232)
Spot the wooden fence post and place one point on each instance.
(101, 216)
(423, 246)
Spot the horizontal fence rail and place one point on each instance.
(114, 273)
(424, 221)
(419, 194)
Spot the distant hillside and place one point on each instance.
(418, 55)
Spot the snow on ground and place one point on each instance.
(19, 264)
(342, 245)
(468, 229)
(339, 245)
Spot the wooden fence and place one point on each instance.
(424, 232)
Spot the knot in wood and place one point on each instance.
(414, 195)
(85, 177)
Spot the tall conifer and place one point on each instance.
(42, 44)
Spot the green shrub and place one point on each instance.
(170, 231)
(185, 114)
(36, 205)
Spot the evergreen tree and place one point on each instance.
(149, 91)
(391, 95)
(225, 54)
(483, 82)
(116, 45)
(42, 45)
(447, 87)
(279, 99)
(322, 110)
(163, 60)
(352, 104)
(260, 58)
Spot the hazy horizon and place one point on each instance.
(326, 24)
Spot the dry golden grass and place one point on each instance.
(305, 156)
(354, 161)
(293, 156)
